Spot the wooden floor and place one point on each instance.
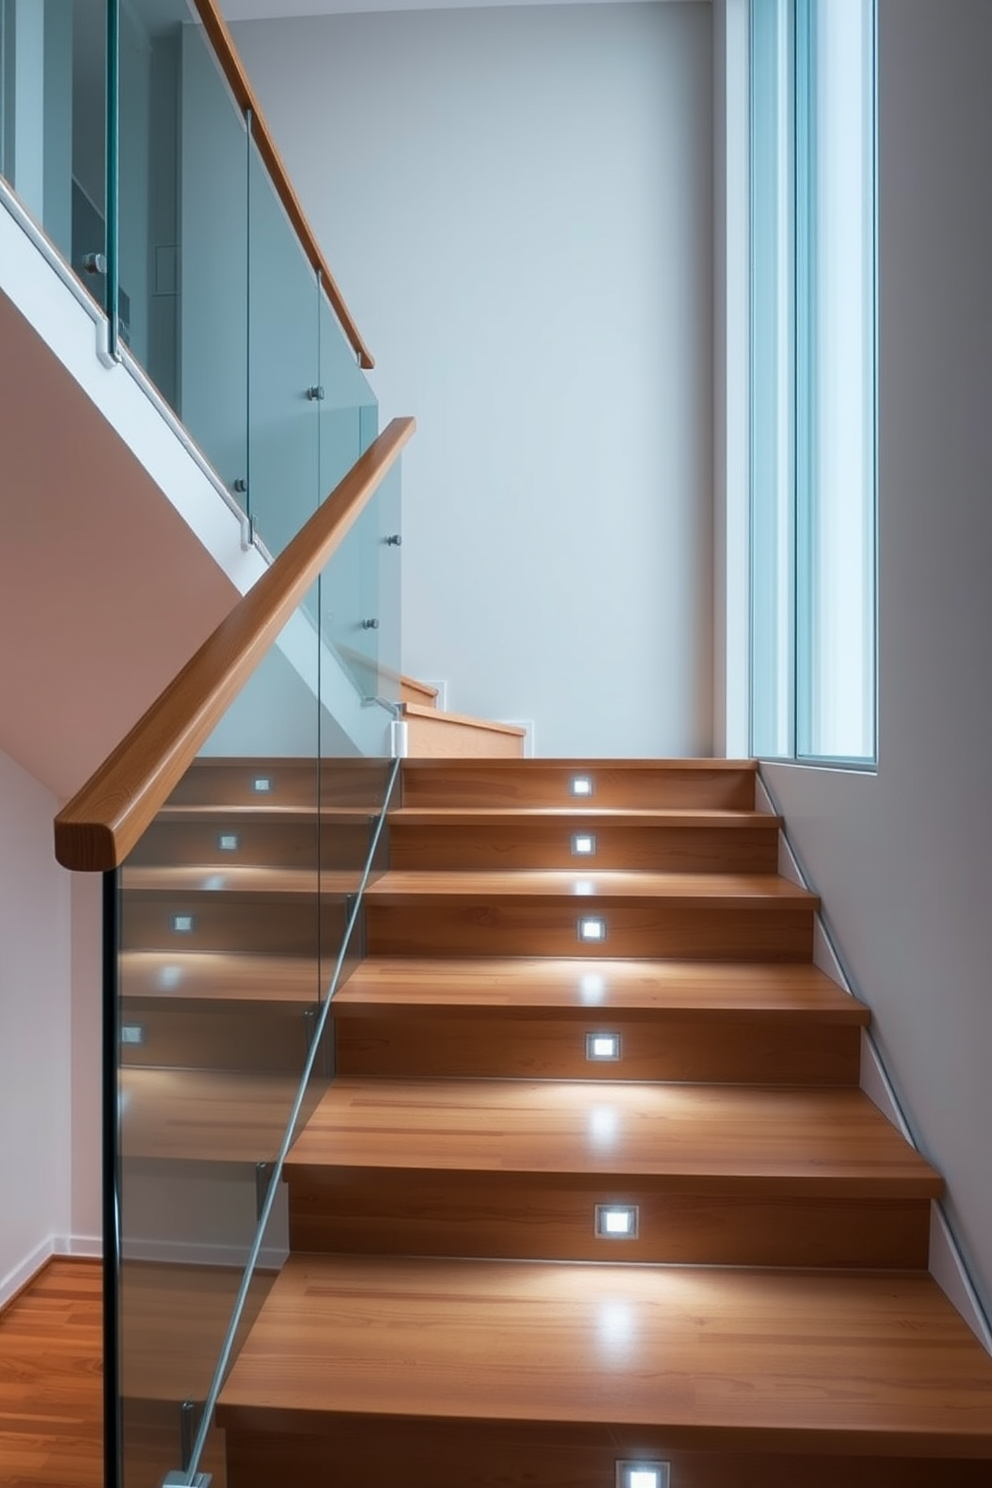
(51, 1409)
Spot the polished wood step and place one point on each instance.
(249, 909)
(530, 1018)
(216, 782)
(744, 916)
(413, 691)
(217, 978)
(211, 1010)
(727, 1175)
(265, 836)
(432, 734)
(710, 783)
(570, 1367)
(204, 1116)
(481, 838)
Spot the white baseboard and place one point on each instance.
(20, 1275)
(82, 1245)
(527, 724)
(949, 1272)
(947, 1266)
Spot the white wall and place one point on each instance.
(903, 858)
(35, 1026)
(517, 204)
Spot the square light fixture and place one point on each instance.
(228, 841)
(132, 1033)
(617, 1221)
(592, 928)
(602, 1046)
(583, 845)
(262, 785)
(633, 1474)
(580, 785)
(182, 924)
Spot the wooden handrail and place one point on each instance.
(98, 828)
(231, 65)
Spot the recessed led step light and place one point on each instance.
(228, 841)
(602, 1046)
(592, 928)
(262, 785)
(643, 1474)
(580, 785)
(182, 924)
(583, 845)
(617, 1221)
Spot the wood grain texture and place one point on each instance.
(652, 841)
(104, 820)
(455, 1454)
(824, 1354)
(723, 991)
(729, 927)
(280, 838)
(435, 735)
(51, 1405)
(546, 1216)
(217, 978)
(389, 1041)
(214, 784)
(726, 784)
(709, 1137)
(233, 69)
(412, 691)
(201, 1116)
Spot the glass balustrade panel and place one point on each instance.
(223, 930)
(183, 228)
(238, 911)
(53, 111)
(284, 369)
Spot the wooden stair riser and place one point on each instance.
(548, 784)
(551, 1216)
(190, 1035)
(486, 1454)
(544, 844)
(298, 783)
(391, 1042)
(414, 691)
(731, 929)
(250, 923)
(434, 735)
(296, 844)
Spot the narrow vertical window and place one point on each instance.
(835, 379)
(813, 484)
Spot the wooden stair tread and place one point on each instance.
(266, 810)
(204, 1115)
(412, 690)
(217, 976)
(582, 888)
(461, 720)
(174, 1318)
(862, 1362)
(609, 764)
(786, 1140)
(723, 989)
(236, 879)
(578, 815)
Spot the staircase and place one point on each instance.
(433, 733)
(595, 1183)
